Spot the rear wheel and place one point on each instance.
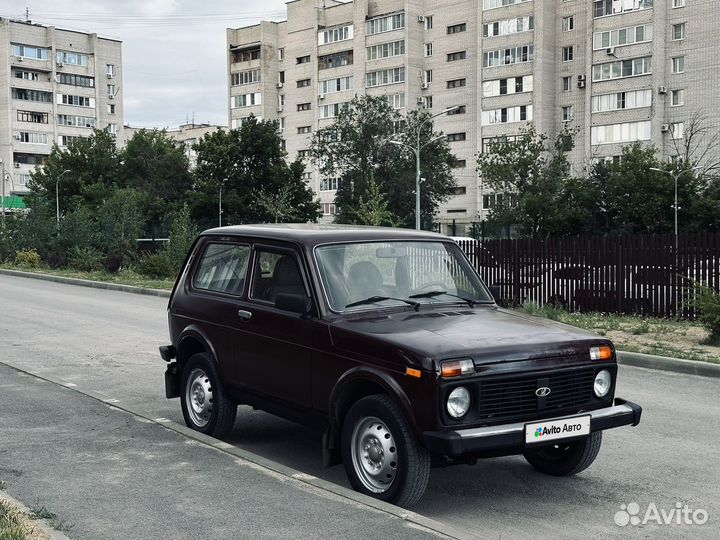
(205, 406)
(565, 458)
(381, 455)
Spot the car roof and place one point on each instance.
(312, 234)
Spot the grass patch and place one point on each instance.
(16, 524)
(124, 277)
(41, 512)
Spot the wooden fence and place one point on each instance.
(610, 274)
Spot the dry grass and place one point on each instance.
(17, 525)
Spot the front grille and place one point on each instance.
(515, 397)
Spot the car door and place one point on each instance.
(273, 346)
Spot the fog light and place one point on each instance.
(603, 382)
(458, 402)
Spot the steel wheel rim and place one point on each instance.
(374, 454)
(199, 397)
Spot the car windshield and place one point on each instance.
(369, 275)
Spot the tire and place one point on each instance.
(205, 406)
(565, 458)
(395, 467)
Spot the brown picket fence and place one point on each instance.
(644, 275)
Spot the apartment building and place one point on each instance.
(57, 85)
(617, 71)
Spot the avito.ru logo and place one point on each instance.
(680, 515)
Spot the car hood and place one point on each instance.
(486, 334)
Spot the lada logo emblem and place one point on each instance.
(542, 392)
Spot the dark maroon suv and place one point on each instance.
(389, 342)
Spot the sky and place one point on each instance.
(174, 51)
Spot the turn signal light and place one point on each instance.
(603, 352)
(455, 368)
(413, 372)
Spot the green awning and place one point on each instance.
(14, 202)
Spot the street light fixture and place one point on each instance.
(675, 174)
(57, 196)
(416, 149)
(220, 210)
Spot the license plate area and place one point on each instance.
(551, 430)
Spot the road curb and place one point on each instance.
(87, 283)
(42, 524)
(293, 475)
(676, 365)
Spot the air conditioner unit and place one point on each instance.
(581, 77)
(111, 96)
(17, 165)
(321, 96)
(18, 137)
(665, 128)
(421, 18)
(662, 89)
(110, 75)
(279, 109)
(610, 51)
(581, 84)
(425, 86)
(60, 64)
(420, 100)
(18, 58)
(279, 85)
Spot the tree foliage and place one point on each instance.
(356, 149)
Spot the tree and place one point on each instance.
(533, 174)
(244, 162)
(356, 150)
(373, 210)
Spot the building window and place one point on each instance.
(567, 113)
(302, 60)
(488, 143)
(460, 190)
(428, 76)
(334, 60)
(456, 83)
(456, 28)
(329, 209)
(633, 99)
(567, 54)
(492, 4)
(245, 55)
(304, 106)
(514, 85)
(677, 98)
(386, 23)
(112, 129)
(246, 100)
(332, 110)
(66, 140)
(568, 24)
(507, 115)
(307, 176)
(304, 129)
(302, 154)
(26, 75)
(677, 130)
(71, 58)
(602, 8)
(385, 76)
(111, 90)
(111, 108)
(110, 70)
(459, 164)
(509, 26)
(329, 184)
(622, 68)
(566, 84)
(336, 85)
(461, 109)
(396, 101)
(620, 133)
(428, 22)
(32, 137)
(506, 57)
(76, 80)
(428, 102)
(622, 36)
(30, 52)
(678, 64)
(428, 49)
(281, 54)
(76, 121)
(453, 137)
(245, 77)
(31, 95)
(32, 117)
(460, 55)
(332, 35)
(678, 3)
(302, 83)
(386, 50)
(678, 31)
(22, 179)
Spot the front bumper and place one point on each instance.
(512, 436)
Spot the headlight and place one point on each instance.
(603, 382)
(603, 352)
(458, 402)
(455, 368)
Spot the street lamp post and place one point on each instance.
(675, 174)
(416, 149)
(3, 189)
(220, 211)
(57, 196)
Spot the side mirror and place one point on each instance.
(495, 291)
(295, 303)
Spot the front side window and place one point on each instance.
(275, 273)
(223, 269)
(423, 272)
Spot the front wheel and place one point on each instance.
(381, 455)
(565, 458)
(205, 406)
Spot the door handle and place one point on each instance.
(244, 315)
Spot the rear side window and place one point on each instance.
(223, 268)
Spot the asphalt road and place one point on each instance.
(106, 342)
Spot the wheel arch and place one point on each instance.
(192, 341)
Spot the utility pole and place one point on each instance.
(3, 189)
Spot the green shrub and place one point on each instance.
(183, 232)
(707, 301)
(156, 265)
(85, 259)
(549, 311)
(28, 257)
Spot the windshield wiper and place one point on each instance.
(433, 294)
(374, 299)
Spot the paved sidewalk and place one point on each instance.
(117, 476)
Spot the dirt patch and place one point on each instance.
(680, 340)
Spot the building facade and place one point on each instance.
(56, 85)
(616, 71)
